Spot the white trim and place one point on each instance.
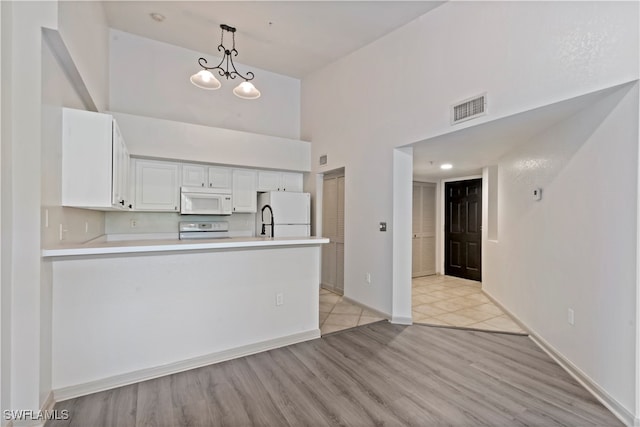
(48, 403)
(637, 404)
(103, 384)
(401, 235)
(507, 311)
(399, 320)
(591, 386)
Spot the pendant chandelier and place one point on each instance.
(226, 68)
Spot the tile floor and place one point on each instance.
(450, 301)
(337, 314)
(437, 300)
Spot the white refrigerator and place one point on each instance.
(291, 214)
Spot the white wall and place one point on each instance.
(576, 248)
(29, 96)
(5, 260)
(528, 54)
(21, 197)
(57, 92)
(143, 313)
(151, 78)
(167, 139)
(240, 224)
(83, 27)
(523, 54)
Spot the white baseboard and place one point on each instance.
(71, 392)
(592, 387)
(46, 406)
(48, 403)
(401, 320)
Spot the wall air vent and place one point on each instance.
(469, 109)
(323, 160)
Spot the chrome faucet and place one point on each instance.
(263, 224)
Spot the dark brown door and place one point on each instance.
(463, 229)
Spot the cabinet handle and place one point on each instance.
(210, 184)
(122, 202)
(203, 184)
(130, 206)
(175, 208)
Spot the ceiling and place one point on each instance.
(472, 148)
(292, 38)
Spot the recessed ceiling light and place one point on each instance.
(158, 17)
(446, 166)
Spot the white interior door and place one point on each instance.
(333, 228)
(424, 229)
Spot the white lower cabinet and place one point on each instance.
(245, 196)
(157, 186)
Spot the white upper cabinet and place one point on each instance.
(95, 162)
(291, 181)
(206, 176)
(194, 175)
(220, 177)
(245, 196)
(157, 186)
(279, 181)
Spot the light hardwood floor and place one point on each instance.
(377, 374)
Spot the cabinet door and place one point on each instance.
(245, 197)
(291, 181)
(219, 177)
(120, 171)
(194, 175)
(268, 181)
(87, 159)
(157, 187)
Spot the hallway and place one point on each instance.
(436, 300)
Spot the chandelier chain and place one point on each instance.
(229, 71)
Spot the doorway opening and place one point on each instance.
(463, 229)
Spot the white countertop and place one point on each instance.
(101, 247)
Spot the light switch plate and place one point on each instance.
(537, 194)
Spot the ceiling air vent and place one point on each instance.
(469, 109)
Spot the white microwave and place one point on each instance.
(205, 201)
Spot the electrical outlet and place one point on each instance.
(134, 223)
(570, 317)
(367, 278)
(279, 298)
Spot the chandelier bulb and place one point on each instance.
(246, 90)
(204, 79)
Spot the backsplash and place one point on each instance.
(167, 222)
(62, 225)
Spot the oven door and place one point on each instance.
(197, 203)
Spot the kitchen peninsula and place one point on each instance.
(127, 311)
